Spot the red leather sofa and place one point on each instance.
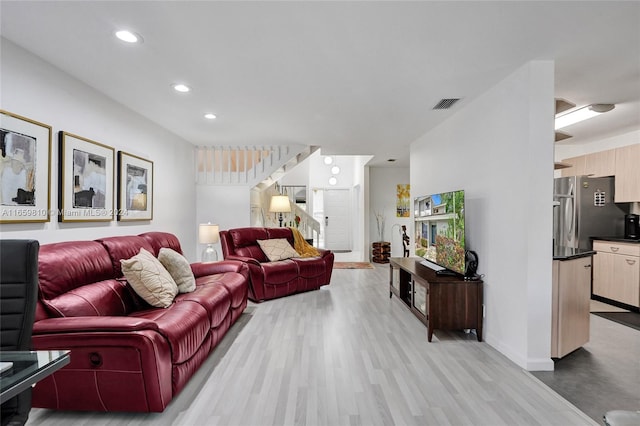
(125, 354)
(269, 280)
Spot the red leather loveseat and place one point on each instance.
(125, 354)
(269, 280)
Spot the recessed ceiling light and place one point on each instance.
(128, 36)
(328, 160)
(333, 180)
(183, 88)
(210, 116)
(335, 170)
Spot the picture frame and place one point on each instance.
(86, 180)
(135, 187)
(403, 192)
(25, 169)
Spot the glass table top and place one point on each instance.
(21, 369)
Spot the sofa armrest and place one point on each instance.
(324, 252)
(82, 325)
(105, 352)
(201, 269)
(247, 260)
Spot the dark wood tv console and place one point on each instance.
(440, 302)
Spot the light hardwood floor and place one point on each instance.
(348, 355)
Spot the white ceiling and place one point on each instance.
(356, 78)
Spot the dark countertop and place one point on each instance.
(568, 253)
(617, 239)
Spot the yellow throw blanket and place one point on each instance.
(303, 248)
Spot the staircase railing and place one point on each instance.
(240, 165)
(308, 226)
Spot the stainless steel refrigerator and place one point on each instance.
(584, 208)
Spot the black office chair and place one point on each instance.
(18, 293)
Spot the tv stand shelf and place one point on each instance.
(441, 302)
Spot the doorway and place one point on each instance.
(332, 208)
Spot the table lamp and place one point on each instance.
(209, 234)
(280, 204)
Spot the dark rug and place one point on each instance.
(630, 319)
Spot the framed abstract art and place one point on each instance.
(25, 169)
(85, 180)
(135, 187)
(402, 200)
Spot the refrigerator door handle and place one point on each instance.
(568, 214)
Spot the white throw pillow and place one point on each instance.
(149, 279)
(277, 249)
(179, 268)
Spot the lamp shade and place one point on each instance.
(208, 233)
(280, 204)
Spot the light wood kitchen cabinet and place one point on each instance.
(599, 164)
(619, 162)
(616, 271)
(596, 164)
(627, 173)
(571, 305)
(577, 166)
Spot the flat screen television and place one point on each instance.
(439, 230)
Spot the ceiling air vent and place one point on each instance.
(446, 103)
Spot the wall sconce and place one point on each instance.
(209, 234)
(280, 204)
(581, 114)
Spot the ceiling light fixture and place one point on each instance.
(182, 88)
(572, 117)
(333, 180)
(210, 116)
(128, 36)
(335, 170)
(328, 160)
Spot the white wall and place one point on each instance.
(33, 88)
(383, 187)
(319, 173)
(499, 149)
(227, 205)
(362, 189)
(299, 174)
